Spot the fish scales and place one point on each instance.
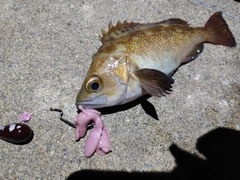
(136, 59)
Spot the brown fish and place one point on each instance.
(136, 59)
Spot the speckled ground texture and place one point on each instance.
(45, 51)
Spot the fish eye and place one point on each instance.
(93, 84)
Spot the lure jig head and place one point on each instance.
(16, 133)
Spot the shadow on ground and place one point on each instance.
(143, 101)
(221, 148)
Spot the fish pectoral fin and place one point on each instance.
(155, 82)
(197, 49)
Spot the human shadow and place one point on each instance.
(220, 147)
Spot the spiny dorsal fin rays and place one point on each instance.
(115, 31)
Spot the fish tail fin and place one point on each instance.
(218, 31)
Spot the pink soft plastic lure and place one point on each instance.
(99, 140)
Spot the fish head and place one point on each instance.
(105, 83)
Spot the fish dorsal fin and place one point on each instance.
(175, 21)
(115, 31)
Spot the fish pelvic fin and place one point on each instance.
(154, 82)
(218, 31)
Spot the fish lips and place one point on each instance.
(96, 102)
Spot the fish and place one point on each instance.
(137, 59)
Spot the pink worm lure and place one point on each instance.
(99, 140)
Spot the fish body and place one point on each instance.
(136, 59)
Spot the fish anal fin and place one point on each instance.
(154, 82)
(198, 48)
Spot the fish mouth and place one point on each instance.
(96, 102)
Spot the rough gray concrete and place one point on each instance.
(45, 51)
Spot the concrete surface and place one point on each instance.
(45, 50)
